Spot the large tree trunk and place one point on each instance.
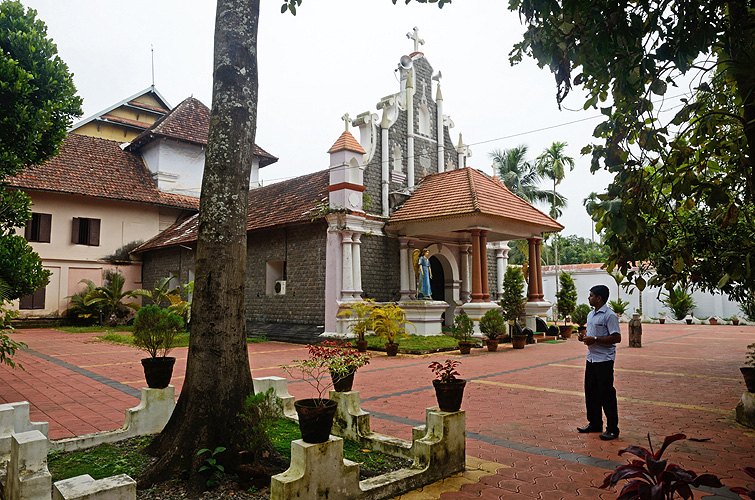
(218, 377)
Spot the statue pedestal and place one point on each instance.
(475, 311)
(425, 315)
(534, 310)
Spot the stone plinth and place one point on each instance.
(746, 410)
(534, 310)
(425, 315)
(475, 311)
(280, 385)
(28, 477)
(120, 487)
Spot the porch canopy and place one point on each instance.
(466, 207)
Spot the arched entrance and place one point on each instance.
(438, 281)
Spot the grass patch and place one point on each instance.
(94, 329)
(284, 431)
(182, 339)
(415, 342)
(105, 460)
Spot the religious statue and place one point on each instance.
(423, 273)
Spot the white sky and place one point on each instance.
(335, 56)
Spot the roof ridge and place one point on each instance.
(473, 190)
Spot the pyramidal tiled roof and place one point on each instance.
(288, 202)
(90, 166)
(465, 192)
(188, 122)
(347, 142)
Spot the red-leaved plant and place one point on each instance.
(651, 478)
(744, 493)
(445, 372)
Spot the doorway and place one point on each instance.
(438, 280)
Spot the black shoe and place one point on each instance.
(590, 428)
(609, 435)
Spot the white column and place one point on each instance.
(441, 136)
(385, 170)
(356, 258)
(410, 130)
(502, 261)
(465, 294)
(347, 283)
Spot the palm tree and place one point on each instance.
(518, 174)
(161, 293)
(110, 296)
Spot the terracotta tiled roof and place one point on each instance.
(90, 166)
(149, 107)
(125, 121)
(189, 122)
(288, 202)
(347, 142)
(465, 192)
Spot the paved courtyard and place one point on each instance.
(523, 406)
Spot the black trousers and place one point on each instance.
(600, 395)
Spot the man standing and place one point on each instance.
(601, 338)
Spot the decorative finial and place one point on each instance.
(346, 119)
(414, 35)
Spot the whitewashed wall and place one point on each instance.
(587, 275)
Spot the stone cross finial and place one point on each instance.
(414, 35)
(346, 119)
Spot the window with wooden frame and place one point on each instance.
(38, 228)
(85, 231)
(34, 301)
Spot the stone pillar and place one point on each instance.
(412, 276)
(465, 292)
(484, 265)
(532, 284)
(476, 266)
(539, 268)
(406, 271)
(356, 261)
(501, 262)
(347, 281)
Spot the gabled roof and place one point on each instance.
(105, 115)
(90, 166)
(188, 122)
(283, 203)
(467, 192)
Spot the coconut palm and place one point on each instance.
(518, 174)
(551, 164)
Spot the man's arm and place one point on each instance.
(614, 338)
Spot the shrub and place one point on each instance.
(155, 330)
(492, 324)
(567, 296)
(618, 306)
(579, 316)
(513, 300)
(679, 301)
(463, 328)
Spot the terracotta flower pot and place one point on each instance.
(449, 394)
(565, 331)
(465, 347)
(713, 321)
(315, 418)
(492, 345)
(343, 383)
(362, 345)
(735, 322)
(391, 349)
(158, 371)
(748, 372)
(519, 341)
(661, 320)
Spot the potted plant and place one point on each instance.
(662, 317)
(449, 390)
(462, 331)
(512, 299)
(680, 303)
(567, 301)
(315, 414)
(390, 325)
(343, 360)
(734, 319)
(618, 306)
(579, 316)
(748, 372)
(155, 331)
(493, 326)
(713, 320)
(362, 320)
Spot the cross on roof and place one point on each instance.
(414, 35)
(346, 119)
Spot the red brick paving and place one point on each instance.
(684, 379)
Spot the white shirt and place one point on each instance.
(602, 323)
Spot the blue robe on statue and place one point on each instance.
(424, 279)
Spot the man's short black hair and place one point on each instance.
(600, 291)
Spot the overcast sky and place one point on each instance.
(335, 56)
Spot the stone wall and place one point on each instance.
(159, 264)
(381, 276)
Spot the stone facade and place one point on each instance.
(178, 261)
(381, 280)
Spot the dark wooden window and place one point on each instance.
(85, 231)
(34, 301)
(38, 228)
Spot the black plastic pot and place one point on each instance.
(315, 418)
(158, 371)
(449, 394)
(342, 383)
(391, 349)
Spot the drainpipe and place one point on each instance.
(409, 130)
(439, 106)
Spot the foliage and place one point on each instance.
(80, 305)
(463, 327)
(579, 316)
(566, 296)
(123, 253)
(618, 306)
(8, 346)
(180, 306)
(155, 330)
(750, 356)
(390, 323)
(105, 460)
(327, 362)
(679, 301)
(683, 191)
(492, 324)
(512, 299)
(37, 91)
(362, 313)
(161, 293)
(519, 175)
(445, 372)
(743, 492)
(651, 478)
(212, 466)
(551, 164)
(258, 416)
(747, 306)
(110, 297)
(416, 343)
(20, 267)
(573, 249)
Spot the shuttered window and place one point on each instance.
(85, 231)
(34, 301)
(38, 228)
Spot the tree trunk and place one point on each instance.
(218, 377)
